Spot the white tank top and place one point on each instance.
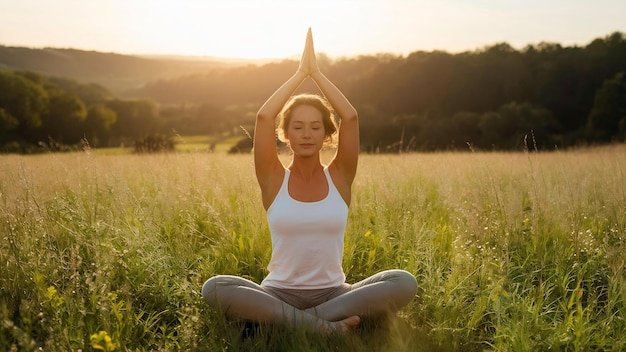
(307, 240)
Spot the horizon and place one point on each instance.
(296, 56)
(274, 30)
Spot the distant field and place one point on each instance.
(195, 143)
(205, 143)
(187, 144)
(512, 251)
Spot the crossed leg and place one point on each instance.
(243, 299)
(381, 293)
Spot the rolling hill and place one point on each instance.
(117, 72)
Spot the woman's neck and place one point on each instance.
(305, 167)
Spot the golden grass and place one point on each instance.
(512, 251)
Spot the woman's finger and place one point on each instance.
(309, 40)
(304, 60)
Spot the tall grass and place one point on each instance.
(512, 251)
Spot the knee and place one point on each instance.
(405, 282)
(209, 290)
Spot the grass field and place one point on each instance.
(512, 251)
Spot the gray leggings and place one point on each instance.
(382, 293)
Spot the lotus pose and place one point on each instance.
(307, 208)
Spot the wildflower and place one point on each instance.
(102, 341)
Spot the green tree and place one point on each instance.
(135, 119)
(607, 119)
(22, 100)
(34, 77)
(495, 129)
(98, 124)
(90, 93)
(465, 129)
(64, 121)
(515, 124)
(8, 123)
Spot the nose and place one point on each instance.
(306, 133)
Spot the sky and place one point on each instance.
(254, 29)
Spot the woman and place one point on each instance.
(307, 208)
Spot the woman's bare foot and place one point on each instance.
(346, 324)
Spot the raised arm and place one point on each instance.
(267, 165)
(346, 158)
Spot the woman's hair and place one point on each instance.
(314, 100)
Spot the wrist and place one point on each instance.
(301, 74)
(315, 73)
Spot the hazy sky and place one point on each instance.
(277, 28)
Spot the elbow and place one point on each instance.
(263, 116)
(351, 116)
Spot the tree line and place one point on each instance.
(38, 112)
(497, 97)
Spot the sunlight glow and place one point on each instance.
(277, 28)
(247, 29)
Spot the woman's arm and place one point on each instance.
(347, 155)
(267, 165)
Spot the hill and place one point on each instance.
(117, 72)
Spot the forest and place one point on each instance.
(542, 97)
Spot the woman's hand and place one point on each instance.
(308, 62)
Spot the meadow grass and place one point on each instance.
(512, 251)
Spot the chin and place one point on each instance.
(306, 153)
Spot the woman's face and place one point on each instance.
(305, 132)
